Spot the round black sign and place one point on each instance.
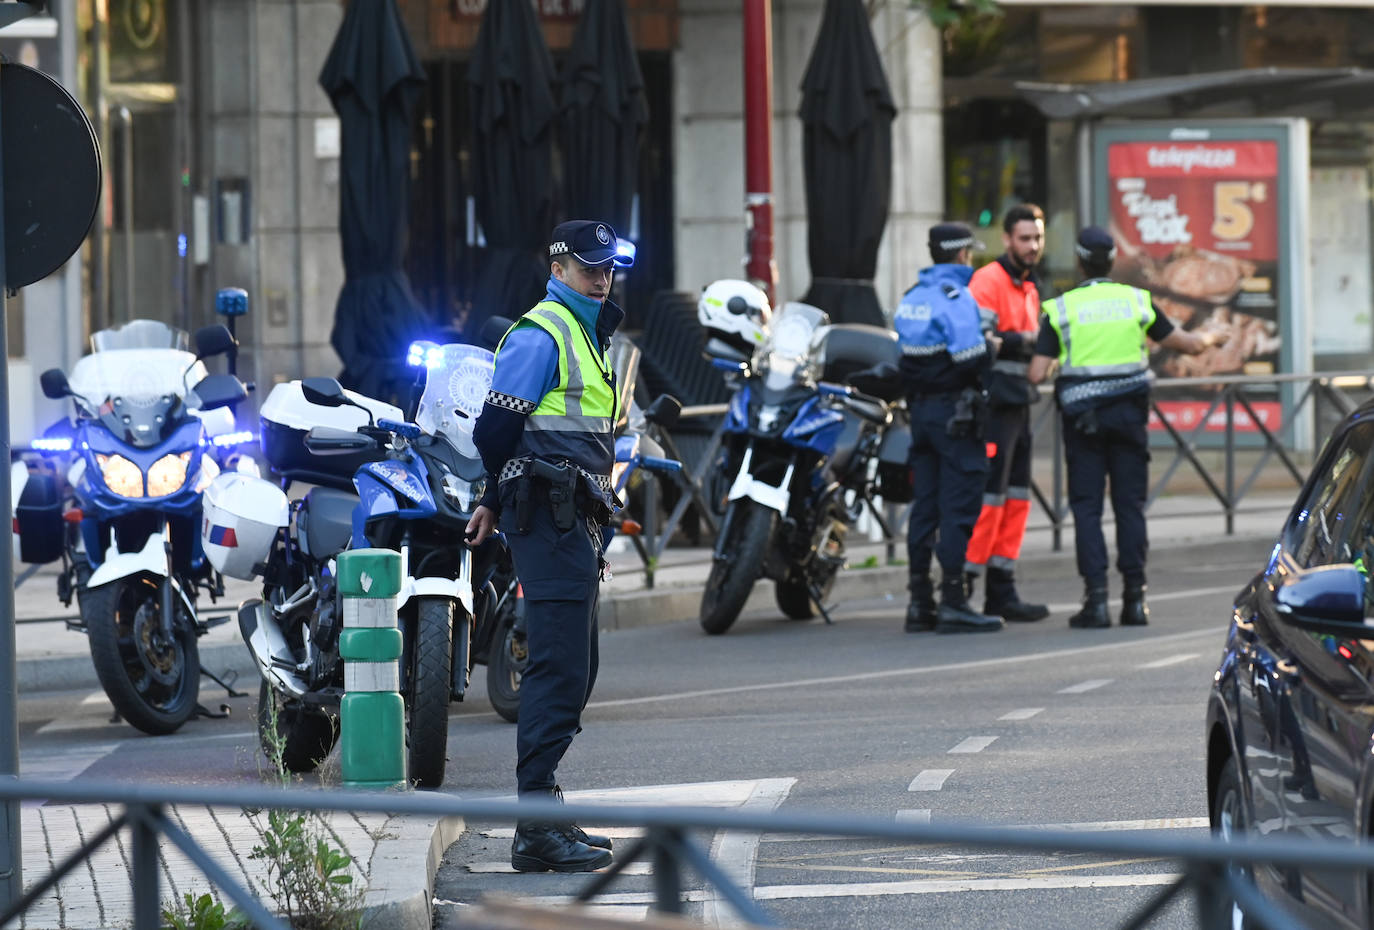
(51, 173)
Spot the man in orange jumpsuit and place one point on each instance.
(1008, 288)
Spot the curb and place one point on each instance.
(392, 901)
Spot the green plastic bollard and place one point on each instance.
(372, 738)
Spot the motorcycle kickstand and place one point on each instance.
(228, 686)
(203, 711)
(815, 593)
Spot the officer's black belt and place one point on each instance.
(937, 395)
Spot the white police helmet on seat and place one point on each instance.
(735, 312)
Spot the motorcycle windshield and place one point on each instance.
(458, 382)
(141, 334)
(625, 364)
(785, 358)
(136, 391)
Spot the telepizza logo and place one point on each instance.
(1190, 157)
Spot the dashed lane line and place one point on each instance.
(1158, 823)
(1156, 642)
(1082, 686)
(973, 744)
(1023, 713)
(914, 815)
(930, 780)
(1170, 660)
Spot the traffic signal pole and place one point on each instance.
(758, 145)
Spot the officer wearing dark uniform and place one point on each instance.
(1097, 333)
(945, 360)
(545, 435)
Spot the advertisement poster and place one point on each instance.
(1197, 215)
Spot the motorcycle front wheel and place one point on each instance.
(431, 662)
(794, 597)
(153, 683)
(293, 738)
(732, 577)
(505, 666)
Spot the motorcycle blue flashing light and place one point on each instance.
(426, 353)
(231, 301)
(63, 444)
(233, 439)
(624, 253)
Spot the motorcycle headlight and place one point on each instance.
(120, 475)
(168, 474)
(465, 494)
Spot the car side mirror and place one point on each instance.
(214, 340)
(54, 384)
(664, 411)
(1325, 599)
(326, 392)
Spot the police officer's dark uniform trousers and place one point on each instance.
(944, 360)
(1098, 332)
(555, 494)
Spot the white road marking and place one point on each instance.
(914, 815)
(1170, 660)
(1024, 713)
(95, 697)
(62, 764)
(1085, 686)
(737, 853)
(944, 886)
(1032, 658)
(973, 744)
(67, 724)
(930, 780)
(1158, 823)
(504, 868)
(1157, 598)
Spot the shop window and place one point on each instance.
(1088, 44)
(1190, 40)
(1001, 45)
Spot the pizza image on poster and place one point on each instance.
(1196, 224)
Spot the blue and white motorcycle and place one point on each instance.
(799, 458)
(118, 500)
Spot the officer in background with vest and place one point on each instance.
(545, 436)
(1097, 332)
(945, 360)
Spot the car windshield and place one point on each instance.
(141, 334)
(458, 380)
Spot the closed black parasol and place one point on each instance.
(603, 116)
(373, 79)
(847, 114)
(513, 107)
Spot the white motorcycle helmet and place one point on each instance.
(736, 312)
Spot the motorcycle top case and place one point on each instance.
(287, 416)
(242, 517)
(845, 348)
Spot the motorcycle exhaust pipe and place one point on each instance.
(269, 648)
(462, 653)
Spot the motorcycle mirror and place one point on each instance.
(664, 411)
(54, 384)
(215, 391)
(494, 330)
(325, 392)
(214, 340)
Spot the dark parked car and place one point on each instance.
(1290, 722)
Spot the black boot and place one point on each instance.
(920, 613)
(954, 614)
(1003, 601)
(1093, 615)
(582, 836)
(549, 847)
(970, 582)
(1134, 610)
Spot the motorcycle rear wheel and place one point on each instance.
(305, 737)
(505, 666)
(733, 577)
(153, 685)
(431, 663)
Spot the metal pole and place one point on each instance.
(144, 867)
(11, 864)
(1231, 461)
(758, 144)
(127, 182)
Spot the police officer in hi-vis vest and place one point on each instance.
(545, 435)
(1097, 333)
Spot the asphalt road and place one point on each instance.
(1038, 725)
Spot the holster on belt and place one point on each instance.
(560, 484)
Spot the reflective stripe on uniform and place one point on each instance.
(1101, 371)
(369, 612)
(573, 384)
(569, 423)
(1011, 367)
(372, 676)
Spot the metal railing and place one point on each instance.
(1215, 871)
(1316, 402)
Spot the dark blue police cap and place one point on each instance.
(951, 238)
(591, 242)
(1095, 244)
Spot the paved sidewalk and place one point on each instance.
(398, 857)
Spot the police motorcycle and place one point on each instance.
(807, 444)
(152, 429)
(380, 481)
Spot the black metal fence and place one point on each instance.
(1213, 870)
